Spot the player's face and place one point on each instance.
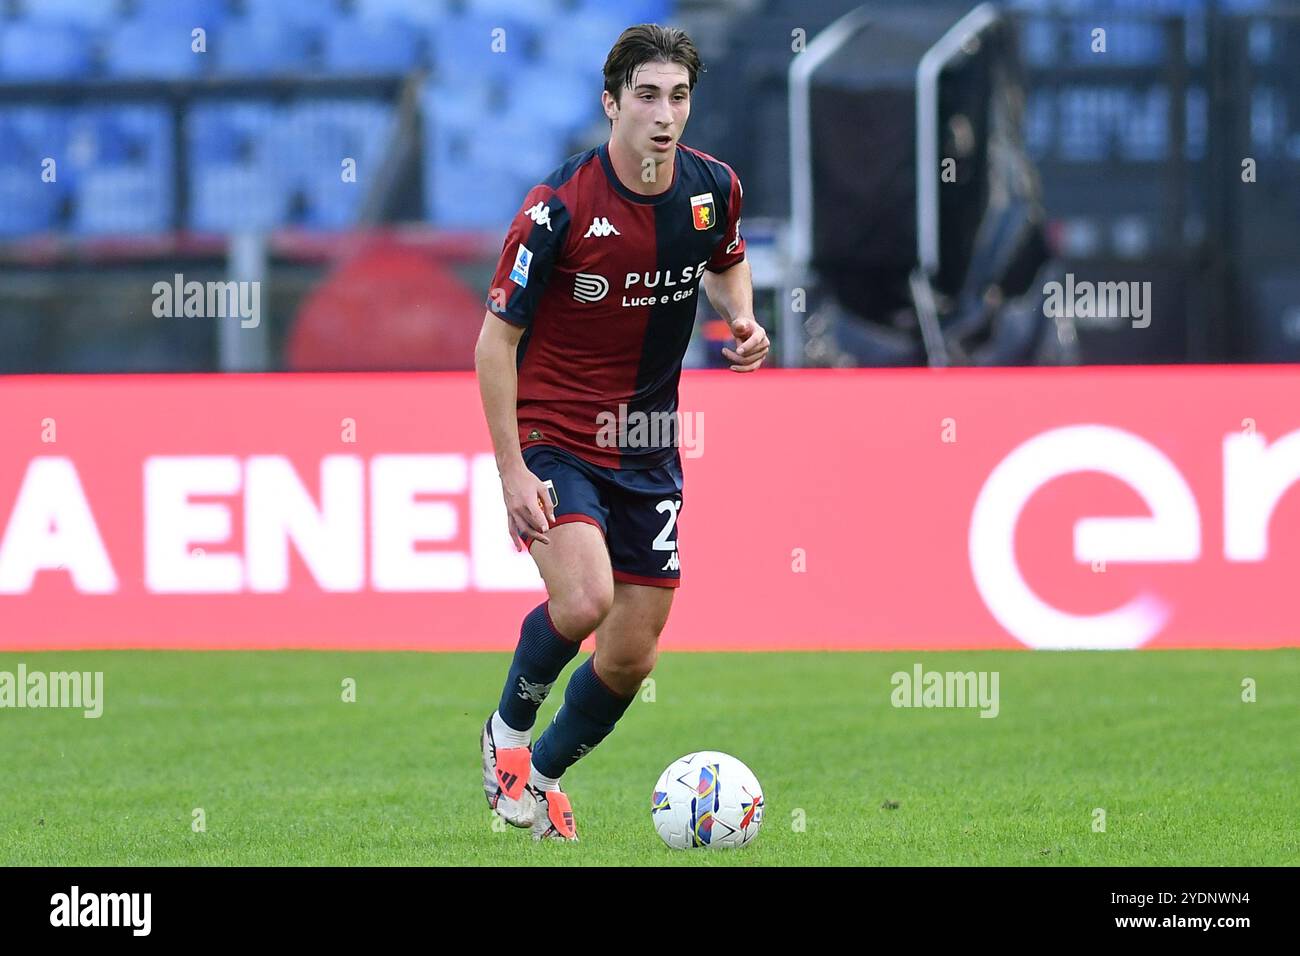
(652, 112)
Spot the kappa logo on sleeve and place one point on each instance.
(540, 214)
(519, 271)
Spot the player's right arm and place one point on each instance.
(533, 243)
(498, 386)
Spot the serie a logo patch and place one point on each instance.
(519, 271)
(702, 211)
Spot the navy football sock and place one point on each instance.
(541, 654)
(589, 713)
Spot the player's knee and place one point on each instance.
(626, 674)
(584, 609)
(644, 665)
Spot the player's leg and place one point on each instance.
(598, 694)
(643, 557)
(579, 580)
(575, 568)
(604, 685)
(627, 641)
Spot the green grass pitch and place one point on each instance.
(286, 772)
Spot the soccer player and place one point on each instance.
(589, 315)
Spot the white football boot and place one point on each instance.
(505, 780)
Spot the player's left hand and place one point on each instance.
(751, 346)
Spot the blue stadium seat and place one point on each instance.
(260, 47)
(81, 13)
(1144, 127)
(1127, 41)
(554, 100)
(26, 204)
(310, 144)
(234, 181)
(196, 13)
(120, 136)
(302, 13)
(421, 13)
(33, 50)
(230, 133)
(1085, 122)
(551, 14)
(160, 50)
(632, 12)
(468, 134)
(371, 46)
(464, 101)
(460, 198)
(235, 198)
(122, 159)
(29, 135)
(1040, 123)
(458, 194)
(257, 166)
(472, 47)
(506, 143)
(122, 200)
(582, 46)
(1039, 41)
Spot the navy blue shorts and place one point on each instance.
(635, 509)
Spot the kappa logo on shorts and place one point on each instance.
(673, 564)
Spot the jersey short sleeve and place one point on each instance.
(731, 249)
(533, 243)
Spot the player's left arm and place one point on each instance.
(732, 294)
(729, 284)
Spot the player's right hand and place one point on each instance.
(528, 506)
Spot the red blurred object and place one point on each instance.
(717, 330)
(391, 306)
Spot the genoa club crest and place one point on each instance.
(702, 211)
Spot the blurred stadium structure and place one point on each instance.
(360, 159)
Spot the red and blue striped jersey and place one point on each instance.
(604, 281)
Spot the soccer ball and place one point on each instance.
(707, 800)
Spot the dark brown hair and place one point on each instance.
(646, 43)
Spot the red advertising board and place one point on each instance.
(909, 509)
